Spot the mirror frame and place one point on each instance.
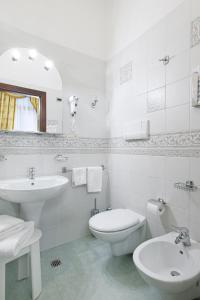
(31, 92)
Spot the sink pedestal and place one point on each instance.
(31, 211)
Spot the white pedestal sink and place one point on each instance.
(32, 194)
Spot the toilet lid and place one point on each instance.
(114, 220)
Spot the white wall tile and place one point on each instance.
(177, 169)
(178, 29)
(178, 93)
(156, 188)
(194, 118)
(177, 118)
(156, 75)
(140, 78)
(178, 67)
(195, 206)
(195, 9)
(156, 167)
(157, 122)
(195, 170)
(156, 42)
(156, 100)
(177, 217)
(176, 198)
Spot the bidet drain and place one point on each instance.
(56, 263)
(175, 273)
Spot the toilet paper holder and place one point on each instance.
(160, 203)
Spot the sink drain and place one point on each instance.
(175, 273)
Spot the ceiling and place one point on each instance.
(98, 28)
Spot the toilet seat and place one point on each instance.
(114, 220)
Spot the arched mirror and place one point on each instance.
(30, 86)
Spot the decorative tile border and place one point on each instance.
(50, 141)
(183, 144)
(174, 144)
(172, 152)
(195, 32)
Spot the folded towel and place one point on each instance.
(78, 176)
(12, 245)
(94, 179)
(9, 225)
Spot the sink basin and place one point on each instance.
(170, 268)
(32, 194)
(25, 190)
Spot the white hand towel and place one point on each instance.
(12, 245)
(78, 176)
(94, 179)
(9, 225)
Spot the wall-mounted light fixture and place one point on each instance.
(48, 65)
(15, 54)
(32, 54)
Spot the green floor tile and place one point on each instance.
(88, 272)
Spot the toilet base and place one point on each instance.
(130, 243)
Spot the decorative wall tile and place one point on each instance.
(126, 73)
(195, 32)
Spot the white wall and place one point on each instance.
(81, 75)
(65, 218)
(29, 72)
(128, 19)
(77, 24)
(162, 95)
(99, 28)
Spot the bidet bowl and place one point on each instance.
(166, 266)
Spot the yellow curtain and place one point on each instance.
(35, 103)
(7, 110)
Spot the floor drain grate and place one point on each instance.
(56, 263)
(175, 273)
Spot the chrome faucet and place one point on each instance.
(183, 237)
(31, 173)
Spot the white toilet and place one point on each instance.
(122, 228)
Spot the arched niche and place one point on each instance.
(28, 72)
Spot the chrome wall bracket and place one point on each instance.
(187, 186)
(165, 60)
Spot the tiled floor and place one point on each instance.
(88, 272)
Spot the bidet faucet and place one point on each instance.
(31, 173)
(183, 237)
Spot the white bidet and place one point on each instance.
(174, 270)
